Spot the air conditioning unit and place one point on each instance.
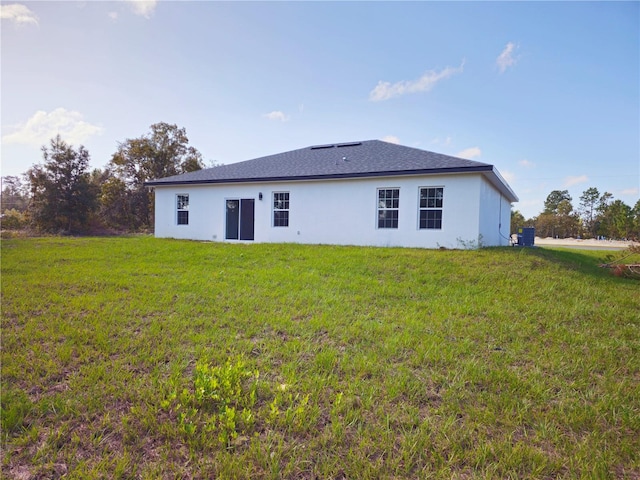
(526, 236)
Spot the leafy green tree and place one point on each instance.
(562, 224)
(553, 200)
(116, 203)
(617, 220)
(635, 214)
(601, 209)
(567, 221)
(603, 202)
(558, 218)
(545, 225)
(588, 208)
(163, 152)
(62, 196)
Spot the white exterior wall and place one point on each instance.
(342, 212)
(495, 216)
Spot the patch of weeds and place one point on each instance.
(222, 400)
(219, 401)
(472, 244)
(288, 408)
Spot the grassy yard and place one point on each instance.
(148, 358)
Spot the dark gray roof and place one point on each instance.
(368, 158)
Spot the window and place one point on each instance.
(431, 208)
(281, 209)
(388, 204)
(183, 209)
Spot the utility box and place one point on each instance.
(526, 236)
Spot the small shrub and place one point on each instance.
(13, 220)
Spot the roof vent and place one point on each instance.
(318, 147)
(351, 144)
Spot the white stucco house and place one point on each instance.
(370, 193)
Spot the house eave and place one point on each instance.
(335, 176)
(493, 175)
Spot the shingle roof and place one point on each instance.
(368, 158)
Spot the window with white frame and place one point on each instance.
(280, 209)
(431, 208)
(388, 207)
(182, 203)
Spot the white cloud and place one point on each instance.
(143, 7)
(507, 59)
(526, 163)
(391, 139)
(629, 191)
(387, 90)
(113, 15)
(43, 126)
(572, 180)
(18, 14)
(276, 115)
(469, 153)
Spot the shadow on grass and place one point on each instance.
(586, 261)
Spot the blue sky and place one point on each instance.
(548, 92)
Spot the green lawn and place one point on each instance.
(148, 358)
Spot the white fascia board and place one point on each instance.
(501, 184)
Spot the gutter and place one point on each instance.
(333, 176)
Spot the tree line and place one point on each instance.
(63, 195)
(598, 215)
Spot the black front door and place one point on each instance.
(240, 219)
